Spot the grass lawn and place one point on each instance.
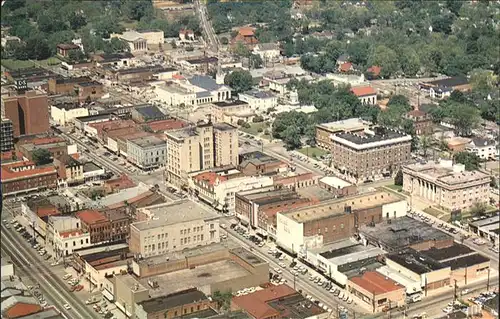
(20, 64)
(313, 152)
(254, 128)
(433, 211)
(17, 64)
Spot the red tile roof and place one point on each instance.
(121, 182)
(9, 174)
(363, 91)
(21, 309)
(46, 140)
(345, 67)
(6, 156)
(210, 177)
(132, 200)
(47, 211)
(246, 31)
(165, 125)
(376, 283)
(90, 217)
(375, 70)
(256, 303)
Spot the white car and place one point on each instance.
(282, 265)
(277, 270)
(67, 306)
(448, 309)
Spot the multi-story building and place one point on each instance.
(140, 41)
(146, 113)
(258, 207)
(7, 135)
(370, 154)
(192, 149)
(24, 176)
(254, 163)
(315, 225)
(60, 85)
(232, 111)
(421, 121)
(485, 149)
(69, 169)
(29, 112)
(64, 113)
(446, 185)
(325, 130)
(105, 226)
(57, 146)
(173, 227)
(65, 242)
(147, 152)
(259, 100)
(225, 145)
(219, 189)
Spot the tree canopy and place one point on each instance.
(239, 80)
(41, 156)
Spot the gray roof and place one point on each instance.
(224, 127)
(148, 141)
(202, 94)
(260, 94)
(483, 142)
(205, 82)
(90, 167)
(150, 111)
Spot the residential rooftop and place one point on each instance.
(174, 213)
(338, 206)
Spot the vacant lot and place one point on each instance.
(313, 152)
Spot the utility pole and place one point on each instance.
(488, 281)
(455, 292)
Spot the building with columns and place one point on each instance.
(446, 185)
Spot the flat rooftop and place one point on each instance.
(351, 124)
(446, 174)
(402, 232)
(265, 196)
(174, 213)
(172, 300)
(442, 254)
(315, 193)
(148, 141)
(90, 167)
(334, 182)
(466, 261)
(179, 255)
(230, 103)
(201, 277)
(224, 127)
(415, 261)
(355, 253)
(183, 133)
(495, 220)
(338, 206)
(379, 135)
(357, 268)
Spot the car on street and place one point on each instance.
(67, 306)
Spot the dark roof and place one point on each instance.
(90, 167)
(450, 82)
(492, 303)
(152, 68)
(89, 83)
(466, 261)
(342, 251)
(224, 127)
(483, 142)
(207, 313)
(415, 262)
(150, 112)
(229, 103)
(381, 134)
(90, 118)
(62, 80)
(101, 255)
(448, 252)
(172, 300)
(203, 60)
(293, 307)
(455, 315)
(67, 105)
(116, 56)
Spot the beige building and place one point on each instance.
(199, 148)
(142, 40)
(173, 227)
(325, 130)
(446, 185)
(65, 113)
(225, 144)
(370, 154)
(232, 111)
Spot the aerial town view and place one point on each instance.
(250, 159)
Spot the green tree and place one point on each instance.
(77, 55)
(239, 80)
(425, 143)
(255, 61)
(291, 138)
(398, 179)
(484, 81)
(41, 156)
(37, 48)
(386, 58)
(223, 299)
(77, 21)
(470, 160)
(137, 9)
(464, 118)
(224, 40)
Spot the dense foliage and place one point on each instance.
(239, 81)
(404, 37)
(41, 25)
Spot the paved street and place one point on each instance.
(29, 263)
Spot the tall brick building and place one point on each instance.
(29, 112)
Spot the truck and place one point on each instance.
(414, 298)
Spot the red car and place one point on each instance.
(78, 287)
